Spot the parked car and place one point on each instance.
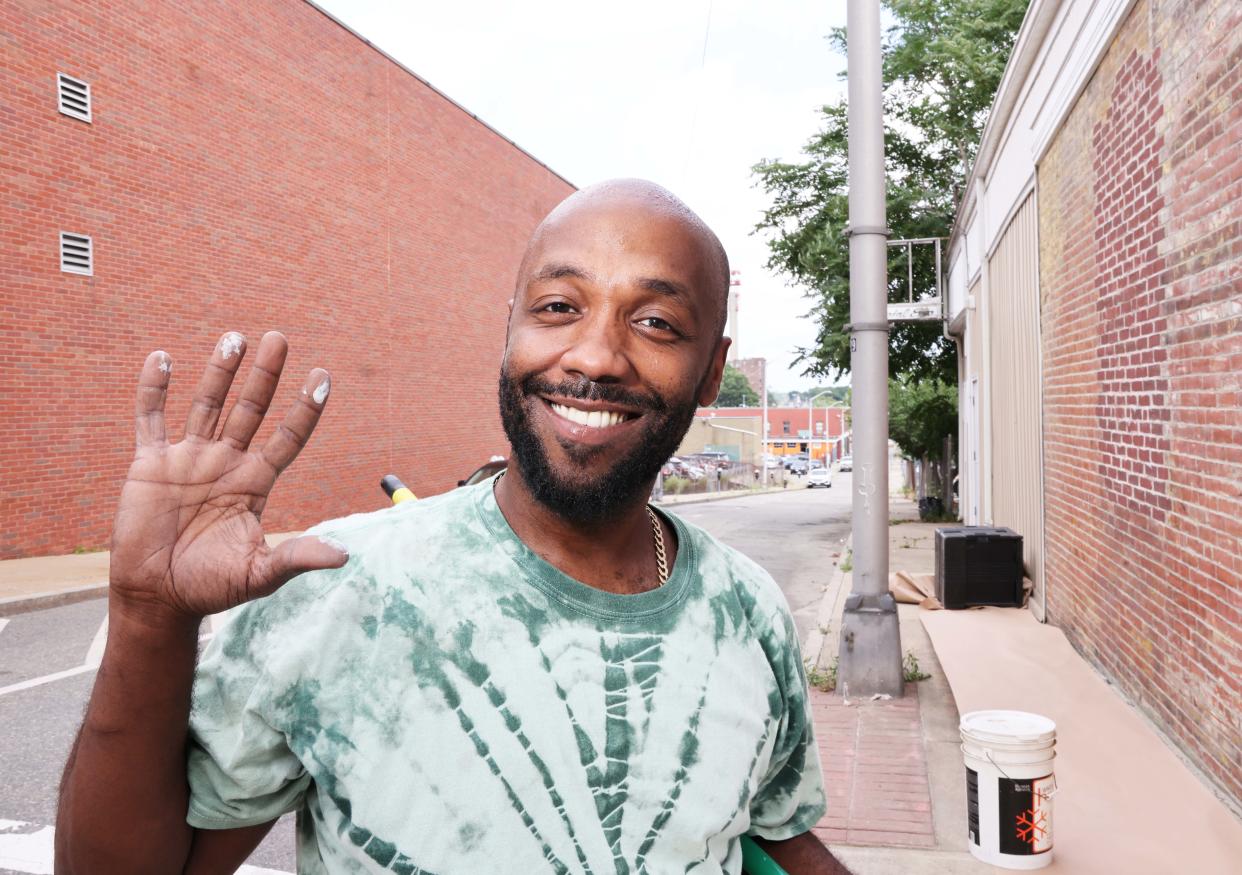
(819, 477)
(847, 463)
(496, 463)
(798, 466)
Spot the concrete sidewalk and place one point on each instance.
(893, 770)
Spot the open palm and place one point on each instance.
(187, 536)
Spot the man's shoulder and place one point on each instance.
(726, 568)
(387, 548)
(423, 522)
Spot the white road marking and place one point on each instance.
(25, 847)
(94, 656)
(4, 621)
(46, 679)
(30, 848)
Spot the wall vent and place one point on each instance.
(74, 97)
(76, 254)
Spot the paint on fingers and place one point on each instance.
(230, 345)
(321, 391)
(165, 364)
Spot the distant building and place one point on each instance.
(175, 170)
(790, 432)
(1095, 288)
(753, 370)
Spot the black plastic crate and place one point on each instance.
(978, 565)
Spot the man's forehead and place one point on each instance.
(645, 236)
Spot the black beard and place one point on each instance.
(597, 499)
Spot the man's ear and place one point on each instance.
(508, 321)
(715, 373)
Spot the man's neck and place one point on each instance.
(614, 555)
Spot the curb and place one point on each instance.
(822, 633)
(23, 604)
(718, 496)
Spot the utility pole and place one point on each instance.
(870, 655)
(764, 429)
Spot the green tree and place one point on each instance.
(943, 61)
(735, 390)
(922, 419)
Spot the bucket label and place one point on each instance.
(1024, 809)
(972, 805)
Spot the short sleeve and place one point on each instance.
(240, 769)
(790, 799)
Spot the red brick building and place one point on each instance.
(245, 166)
(1096, 288)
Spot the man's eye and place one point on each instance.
(558, 307)
(657, 323)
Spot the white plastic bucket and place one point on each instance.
(1009, 787)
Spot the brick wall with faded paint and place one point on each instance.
(1140, 202)
(249, 166)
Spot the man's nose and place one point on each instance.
(598, 349)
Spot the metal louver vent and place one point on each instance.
(75, 254)
(74, 97)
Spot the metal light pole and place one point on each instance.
(870, 655)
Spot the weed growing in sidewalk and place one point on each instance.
(847, 564)
(824, 679)
(910, 670)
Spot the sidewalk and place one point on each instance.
(892, 769)
(894, 772)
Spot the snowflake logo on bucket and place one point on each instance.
(1032, 826)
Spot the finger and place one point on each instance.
(292, 434)
(256, 395)
(149, 406)
(214, 385)
(293, 557)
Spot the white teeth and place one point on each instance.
(591, 419)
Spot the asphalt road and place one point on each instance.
(47, 661)
(793, 535)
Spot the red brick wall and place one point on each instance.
(1140, 201)
(250, 166)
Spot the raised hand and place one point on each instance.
(187, 538)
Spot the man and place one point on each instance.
(538, 673)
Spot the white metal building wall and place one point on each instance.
(1014, 390)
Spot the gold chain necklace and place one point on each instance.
(661, 556)
(661, 559)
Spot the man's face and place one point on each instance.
(613, 343)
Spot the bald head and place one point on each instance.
(635, 203)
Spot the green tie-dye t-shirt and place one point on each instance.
(450, 703)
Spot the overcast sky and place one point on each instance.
(646, 88)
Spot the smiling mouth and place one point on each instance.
(591, 418)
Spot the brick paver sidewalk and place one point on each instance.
(875, 771)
